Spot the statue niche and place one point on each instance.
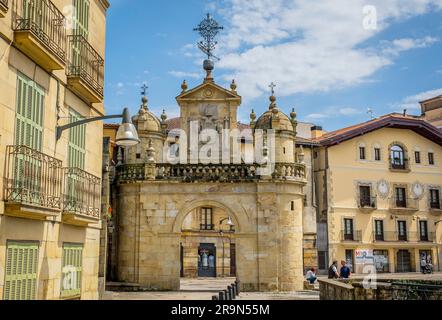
(209, 118)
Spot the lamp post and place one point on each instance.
(437, 247)
(221, 232)
(126, 135)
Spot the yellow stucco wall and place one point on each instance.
(345, 171)
(51, 233)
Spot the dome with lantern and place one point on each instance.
(146, 120)
(274, 118)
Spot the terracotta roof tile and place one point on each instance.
(392, 120)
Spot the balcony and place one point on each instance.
(33, 182)
(435, 207)
(85, 70)
(207, 227)
(190, 173)
(403, 205)
(39, 32)
(367, 204)
(81, 197)
(399, 165)
(3, 8)
(393, 236)
(356, 236)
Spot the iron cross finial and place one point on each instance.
(208, 29)
(144, 89)
(272, 86)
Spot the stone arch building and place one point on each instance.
(214, 219)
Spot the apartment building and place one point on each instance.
(379, 187)
(51, 74)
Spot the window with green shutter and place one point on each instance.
(77, 142)
(71, 270)
(81, 18)
(29, 113)
(29, 133)
(81, 28)
(21, 271)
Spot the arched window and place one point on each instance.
(397, 155)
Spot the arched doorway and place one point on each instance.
(208, 243)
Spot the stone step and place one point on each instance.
(123, 287)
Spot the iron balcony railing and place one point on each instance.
(208, 227)
(355, 236)
(436, 204)
(367, 202)
(412, 236)
(209, 172)
(32, 178)
(399, 164)
(85, 63)
(44, 21)
(81, 193)
(404, 203)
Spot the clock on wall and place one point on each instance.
(383, 188)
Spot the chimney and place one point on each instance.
(317, 132)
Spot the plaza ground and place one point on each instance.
(205, 288)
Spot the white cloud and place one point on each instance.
(307, 46)
(411, 103)
(397, 46)
(349, 111)
(183, 74)
(332, 112)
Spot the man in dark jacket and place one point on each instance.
(333, 271)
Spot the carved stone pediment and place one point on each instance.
(208, 91)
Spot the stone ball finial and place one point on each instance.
(275, 110)
(233, 85)
(144, 102)
(184, 86)
(293, 114)
(253, 115)
(208, 65)
(164, 116)
(272, 102)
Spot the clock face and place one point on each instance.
(383, 188)
(418, 190)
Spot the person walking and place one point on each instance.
(423, 264)
(345, 270)
(333, 271)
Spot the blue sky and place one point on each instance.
(324, 61)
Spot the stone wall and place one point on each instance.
(268, 234)
(385, 290)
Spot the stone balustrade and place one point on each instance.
(208, 173)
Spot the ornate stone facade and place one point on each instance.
(172, 217)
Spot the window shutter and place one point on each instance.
(72, 270)
(29, 113)
(81, 19)
(77, 143)
(21, 271)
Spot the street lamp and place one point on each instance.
(221, 232)
(437, 247)
(127, 135)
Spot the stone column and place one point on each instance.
(247, 267)
(291, 240)
(391, 259)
